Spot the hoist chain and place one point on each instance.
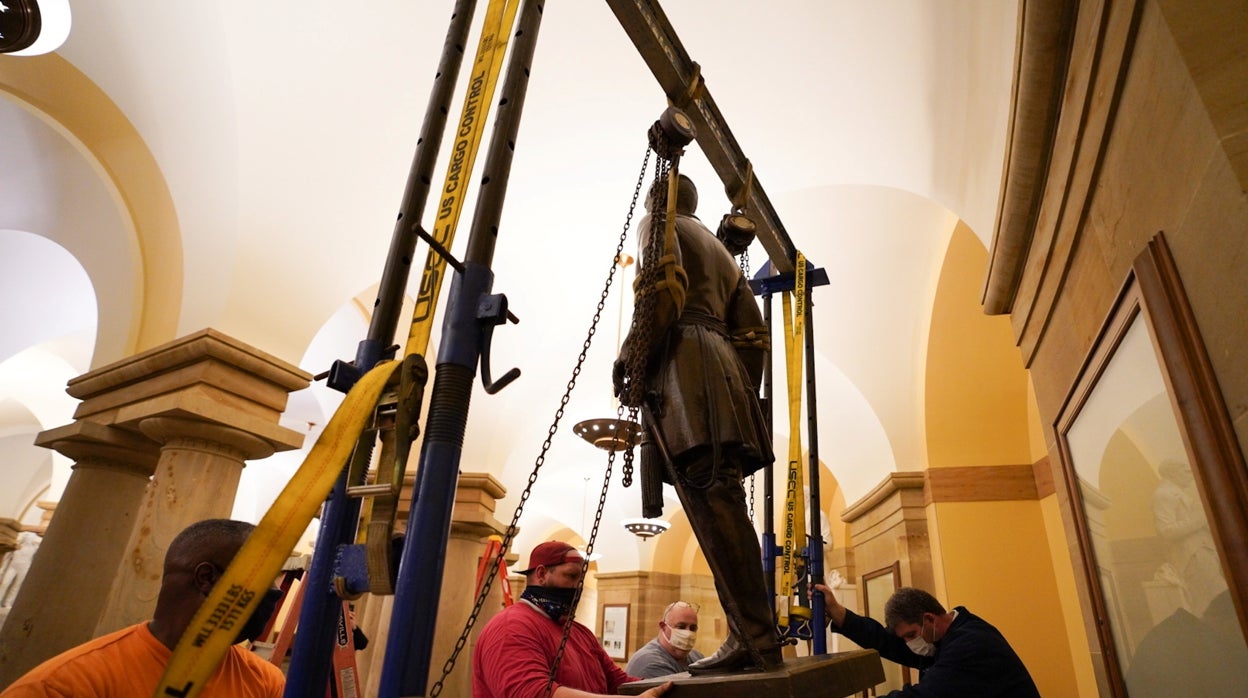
(589, 552)
(641, 329)
(744, 262)
(541, 456)
(627, 467)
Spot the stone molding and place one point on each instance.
(972, 483)
(205, 377)
(205, 437)
(90, 444)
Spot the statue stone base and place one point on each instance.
(830, 675)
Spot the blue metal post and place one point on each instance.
(311, 656)
(405, 671)
(814, 540)
(419, 585)
(769, 488)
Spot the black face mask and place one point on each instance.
(260, 617)
(555, 601)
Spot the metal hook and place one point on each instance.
(491, 312)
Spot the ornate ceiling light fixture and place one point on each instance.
(33, 27)
(607, 433)
(645, 528)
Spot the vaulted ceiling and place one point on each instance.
(201, 166)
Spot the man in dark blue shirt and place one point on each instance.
(956, 652)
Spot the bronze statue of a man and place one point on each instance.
(705, 345)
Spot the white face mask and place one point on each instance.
(920, 646)
(682, 638)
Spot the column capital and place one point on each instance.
(208, 437)
(205, 377)
(90, 444)
(476, 496)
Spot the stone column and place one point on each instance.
(889, 525)
(197, 407)
(472, 522)
(69, 579)
(196, 457)
(9, 581)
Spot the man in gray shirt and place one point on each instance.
(672, 651)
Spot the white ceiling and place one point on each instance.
(284, 131)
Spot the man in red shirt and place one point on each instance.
(517, 648)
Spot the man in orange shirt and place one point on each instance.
(130, 662)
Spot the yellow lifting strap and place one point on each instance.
(259, 561)
(486, 67)
(791, 568)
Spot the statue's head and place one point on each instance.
(686, 195)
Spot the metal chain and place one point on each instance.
(449, 666)
(641, 329)
(744, 262)
(589, 552)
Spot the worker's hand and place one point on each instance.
(832, 608)
(657, 690)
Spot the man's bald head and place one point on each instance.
(212, 540)
(195, 560)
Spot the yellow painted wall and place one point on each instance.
(994, 567)
(994, 557)
(1068, 597)
(976, 387)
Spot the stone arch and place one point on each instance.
(143, 293)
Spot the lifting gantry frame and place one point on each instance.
(463, 348)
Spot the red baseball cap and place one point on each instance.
(552, 553)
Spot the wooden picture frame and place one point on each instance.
(615, 630)
(877, 587)
(1145, 406)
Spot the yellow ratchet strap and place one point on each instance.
(795, 503)
(259, 561)
(488, 63)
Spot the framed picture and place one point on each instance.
(877, 587)
(615, 630)
(1157, 491)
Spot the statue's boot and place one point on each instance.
(719, 518)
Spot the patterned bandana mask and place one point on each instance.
(556, 602)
